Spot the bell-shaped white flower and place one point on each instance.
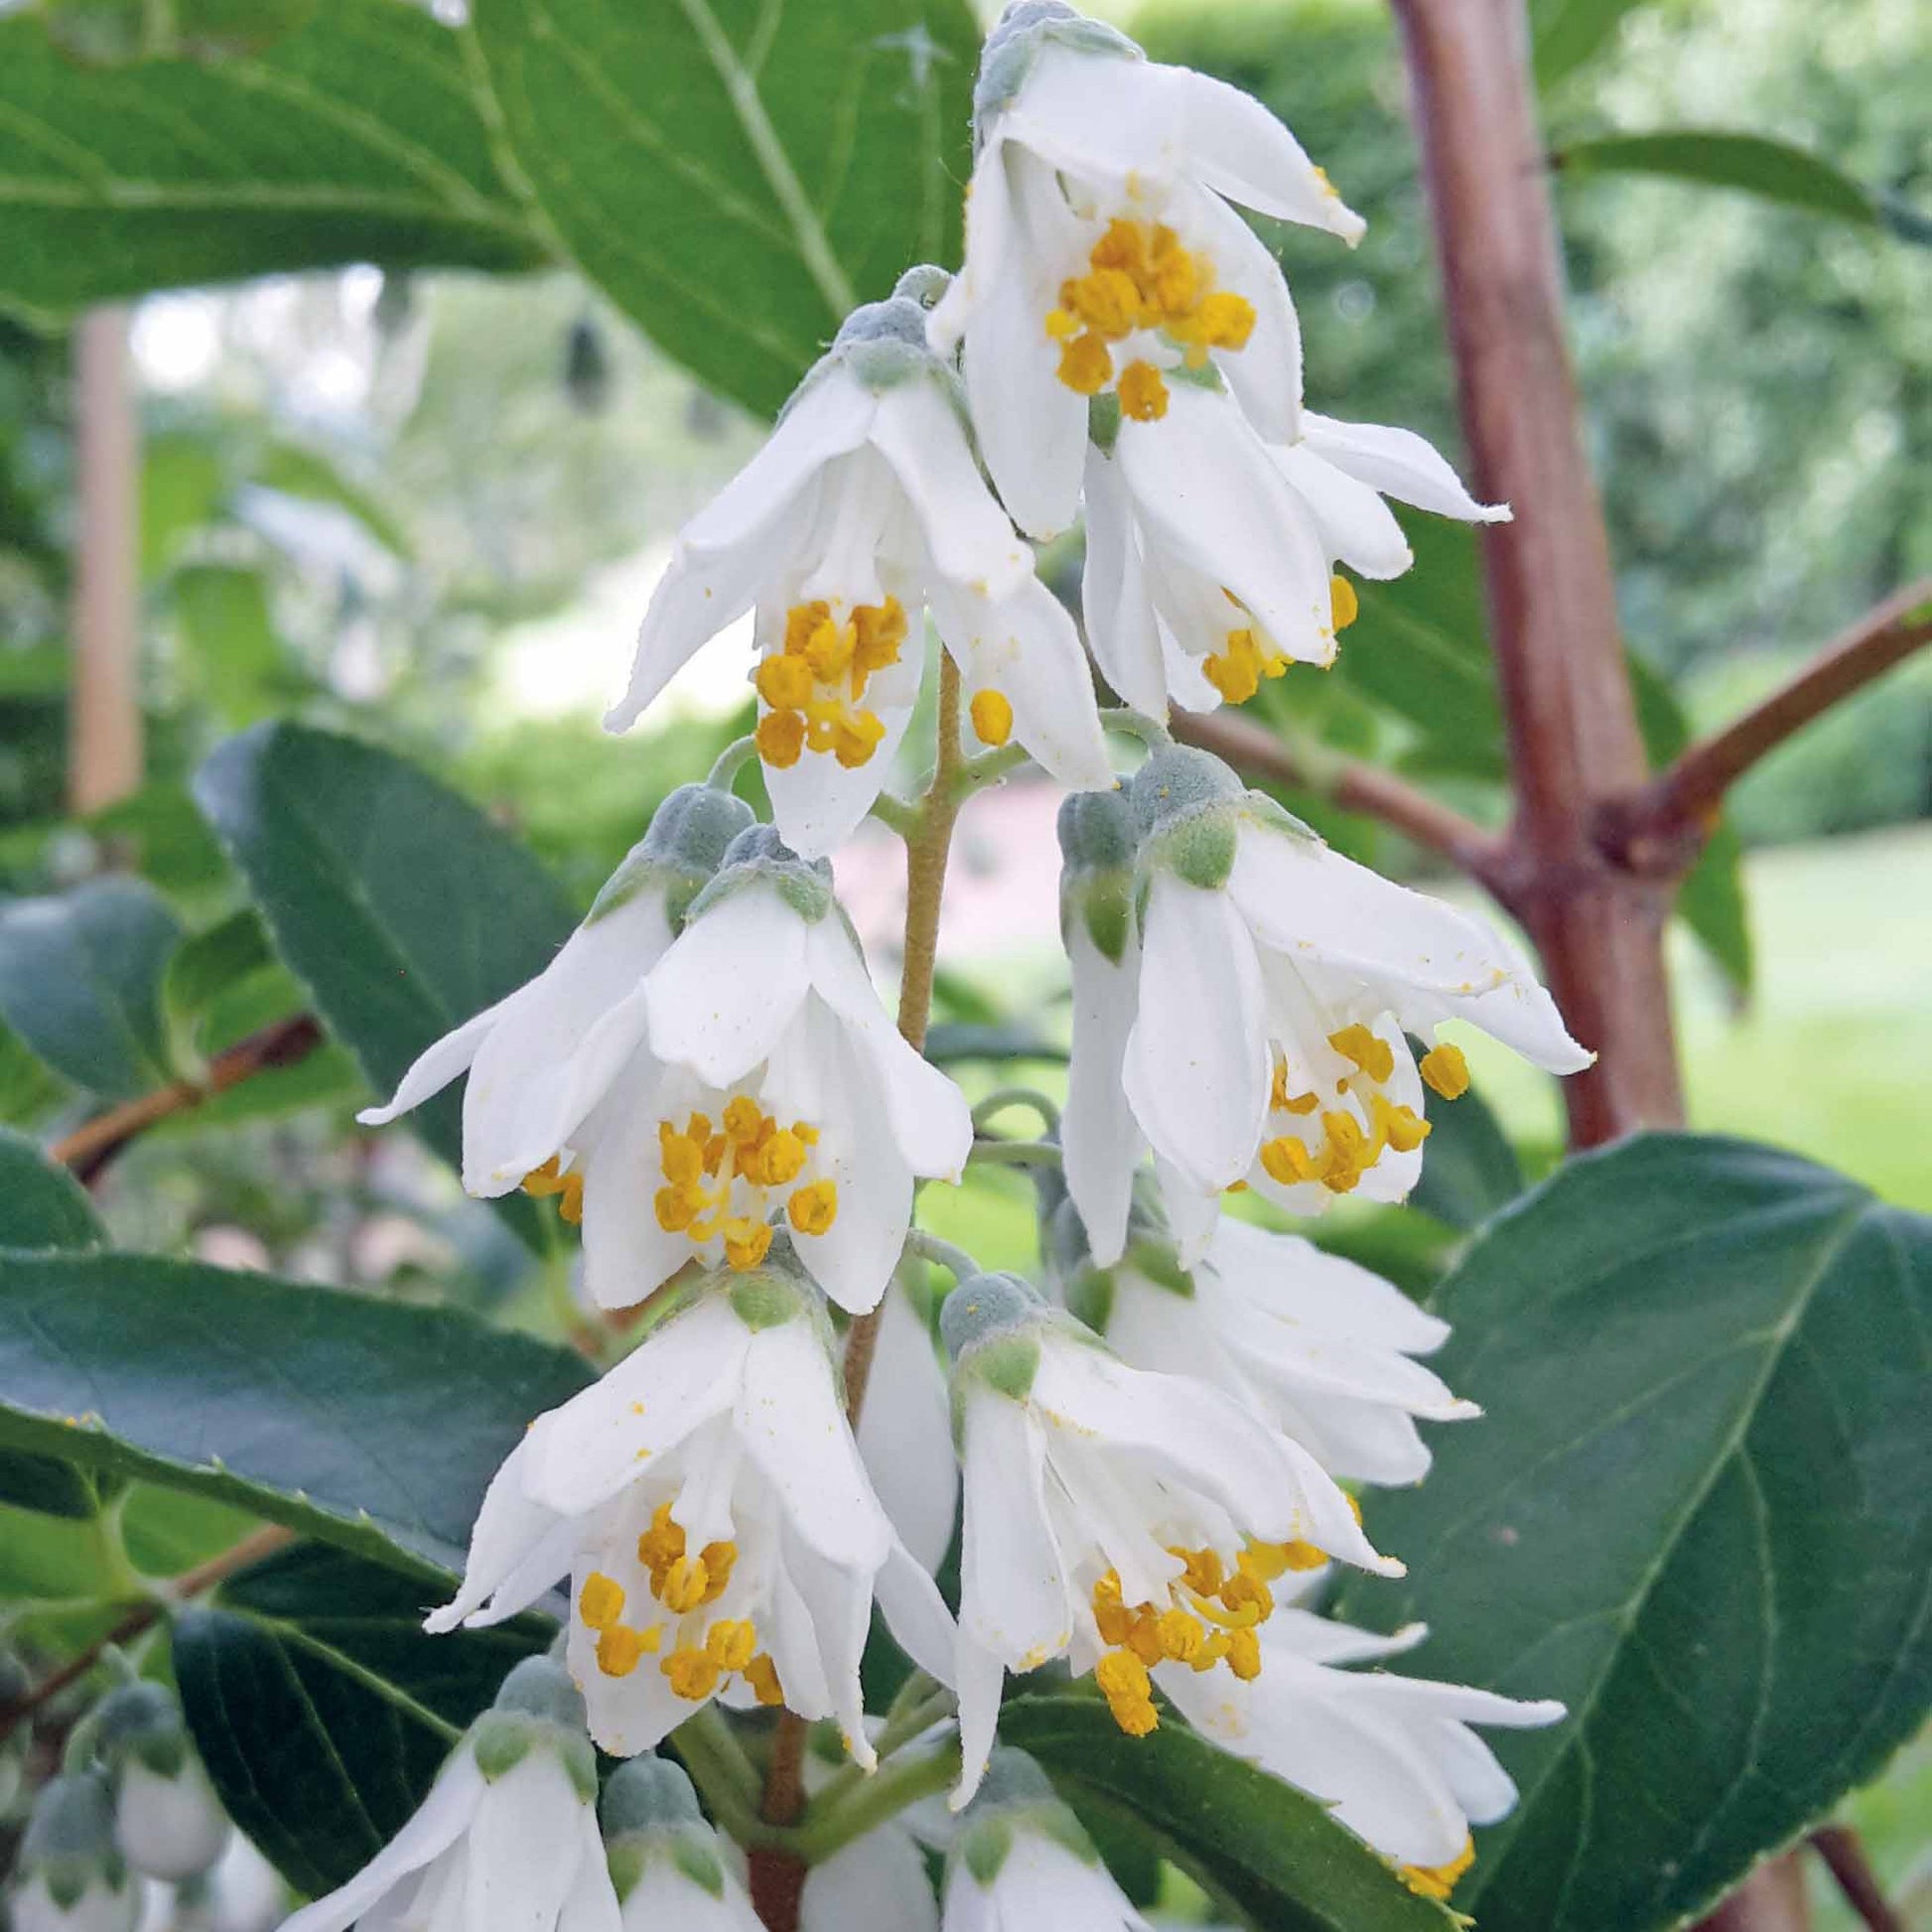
(1260, 1033)
(71, 1875)
(1211, 557)
(541, 1059)
(507, 1836)
(707, 1501)
(168, 1821)
(774, 1088)
(864, 512)
(1113, 1516)
(1314, 1345)
(1022, 1862)
(1394, 1756)
(1104, 255)
(669, 1867)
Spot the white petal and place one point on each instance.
(1122, 630)
(1327, 1292)
(627, 1253)
(442, 1817)
(590, 1905)
(1100, 1140)
(665, 1900)
(525, 1846)
(877, 1883)
(739, 541)
(840, 1606)
(818, 803)
(980, 1678)
(1193, 1213)
(1014, 1584)
(1266, 374)
(437, 1065)
(1357, 528)
(906, 1433)
(1043, 1885)
(967, 534)
(1026, 646)
(916, 1614)
(1399, 464)
(729, 986)
(1324, 1640)
(1197, 1065)
(1239, 147)
(508, 1525)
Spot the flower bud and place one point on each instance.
(1099, 837)
(538, 1707)
(167, 1819)
(1015, 1799)
(1018, 36)
(650, 1817)
(71, 1875)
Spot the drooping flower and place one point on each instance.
(706, 1502)
(1394, 1756)
(1313, 1344)
(1261, 1036)
(1022, 1862)
(1211, 557)
(71, 1875)
(1104, 255)
(667, 1864)
(865, 512)
(167, 1817)
(1113, 1516)
(539, 1060)
(507, 1836)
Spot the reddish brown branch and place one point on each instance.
(1843, 1857)
(1661, 826)
(87, 1150)
(142, 1616)
(1356, 788)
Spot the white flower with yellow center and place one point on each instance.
(1105, 257)
(507, 1836)
(1113, 1516)
(1022, 1863)
(1211, 557)
(706, 1502)
(1395, 1757)
(1253, 1025)
(541, 1060)
(1313, 1343)
(669, 1867)
(864, 512)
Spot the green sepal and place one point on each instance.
(69, 1840)
(1089, 1294)
(1199, 849)
(1007, 1365)
(1099, 838)
(142, 1721)
(1018, 38)
(1103, 422)
(763, 1299)
(695, 1854)
(1207, 377)
(984, 1845)
(1156, 1259)
(686, 842)
(1276, 818)
(759, 857)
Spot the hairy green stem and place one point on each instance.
(1004, 1097)
(928, 1247)
(1016, 1154)
(899, 1782)
(730, 761)
(723, 1775)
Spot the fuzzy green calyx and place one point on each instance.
(142, 1721)
(758, 858)
(649, 1811)
(1022, 34)
(1099, 837)
(682, 848)
(1016, 1798)
(69, 1840)
(1188, 807)
(537, 1708)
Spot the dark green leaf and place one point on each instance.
(1775, 170)
(736, 175)
(46, 1486)
(1271, 1852)
(42, 1205)
(1698, 1511)
(1469, 1171)
(158, 833)
(397, 904)
(370, 1424)
(81, 982)
(322, 1711)
(356, 138)
(1565, 32)
(114, 31)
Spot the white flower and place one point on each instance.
(1211, 557)
(1022, 1863)
(1103, 254)
(1313, 1343)
(865, 510)
(539, 1060)
(877, 1883)
(508, 1836)
(168, 1822)
(72, 1877)
(668, 1866)
(1113, 1516)
(1257, 1032)
(706, 1502)
(1394, 1756)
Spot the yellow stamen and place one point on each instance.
(1085, 365)
(1143, 392)
(763, 1676)
(1366, 1049)
(1244, 1655)
(780, 739)
(828, 650)
(1297, 1555)
(1344, 605)
(693, 1673)
(682, 1587)
(1447, 1070)
(731, 1645)
(619, 1647)
(1124, 1682)
(1403, 1128)
(718, 1560)
(601, 1602)
(1439, 1881)
(661, 1545)
(992, 713)
(747, 1242)
(814, 1209)
(1287, 1161)
(1181, 1635)
(785, 683)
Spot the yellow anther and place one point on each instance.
(1108, 301)
(814, 1209)
(1297, 1555)
(1181, 1635)
(1244, 1655)
(747, 1242)
(1446, 1069)
(1062, 324)
(880, 631)
(1348, 1151)
(1403, 1128)
(619, 1647)
(1439, 1881)
(1143, 392)
(801, 620)
(1265, 1560)
(763, 1676)
(1144, 1639)
(780, 739)
(693, 1675)
(601, 1602)
(1085, 364)
(1226, 321)
(991, 714)
(718, 1560)
(1236, 671)
(682, 1585)
(662, 1544)
(1366, 1049)
(681, 1155)
(1120, 1673)
(731, 1645)
(569, 1188)
(785, 683)
(1111, 1616)
(1211, 1653)
(1245, 1591)
(1204, 1572)
(828, 650)
(1287, 1161)
(676, 1208)
(855, 737)
(1343, 602)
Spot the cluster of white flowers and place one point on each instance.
(1145, 1456)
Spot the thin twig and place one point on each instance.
(1843, 1855)
(1664, 824)
(1254, 750)
(142, 1616)
(88, 1149)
